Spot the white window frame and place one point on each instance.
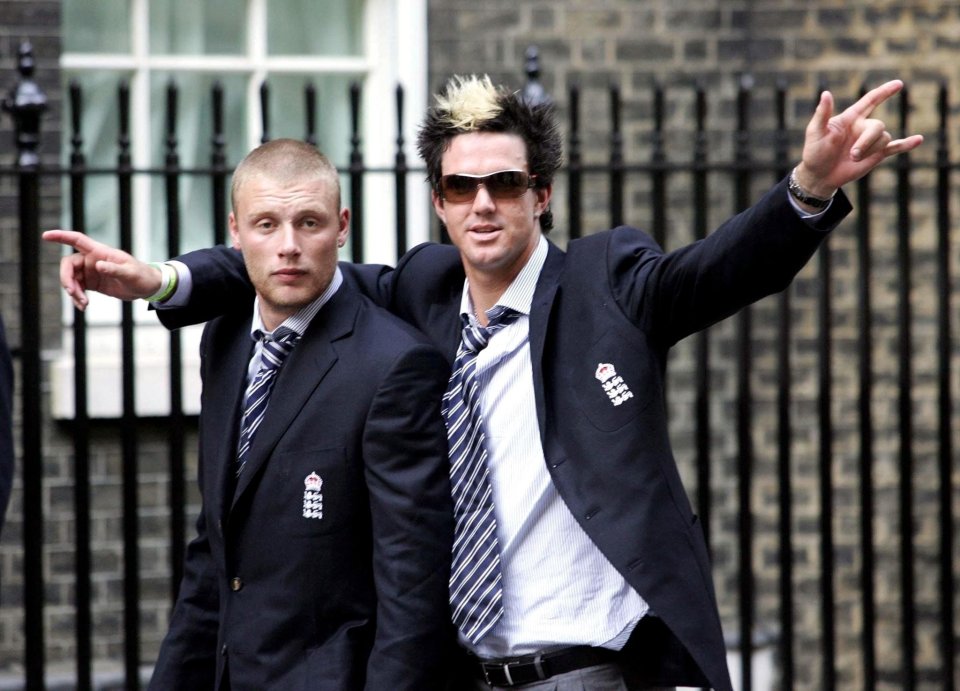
(394, 52)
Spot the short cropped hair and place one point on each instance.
(285, 160)
(474, 104)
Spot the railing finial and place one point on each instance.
(26, 104)
(533, 92)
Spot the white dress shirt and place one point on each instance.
(559, 590)
(297, 323)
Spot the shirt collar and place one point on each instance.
(519, 294)
(301, 320)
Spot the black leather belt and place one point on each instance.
(530, 668)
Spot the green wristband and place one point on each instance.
(168, 282)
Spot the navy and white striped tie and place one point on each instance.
(476, 592)
(275, 350)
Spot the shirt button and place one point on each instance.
(235, 583)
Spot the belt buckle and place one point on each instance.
(499, 667)
(505, 668)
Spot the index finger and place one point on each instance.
(873, 98)
(72, 238)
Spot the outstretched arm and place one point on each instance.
(842, 148)
(99, 267)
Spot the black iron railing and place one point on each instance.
(741, 172)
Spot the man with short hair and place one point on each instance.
(323, 547)
(587, 569)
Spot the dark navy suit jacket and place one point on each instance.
(613, 298)
(326, 565)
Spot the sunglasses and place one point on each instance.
(460, 188)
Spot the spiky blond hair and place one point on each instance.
(469, 102)
(474, 104)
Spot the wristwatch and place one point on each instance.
(798, 193)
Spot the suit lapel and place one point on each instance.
(443, 322)
(540, 310)
(301, 374)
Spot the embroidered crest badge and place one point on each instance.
(312, 496)
(613, 385)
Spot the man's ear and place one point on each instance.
(543, 198)
(438, 205)
(344, 227)
(234, 232)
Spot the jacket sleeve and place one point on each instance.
(405, 448)
(220, 285)
(754, 254)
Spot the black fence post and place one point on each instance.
(177, 439)
(616, 158)
(703, 455)
(356, 177)
(825, 463)
(310, 107)
(784, 428)
(128, 438)
(265, 112)
(658, 200)
(81, 419)
(574, 168)
(218, 165)
(745, 454)
(905, 407)
(400, 178)
(26, 104)
(944, 396)
(866, 428)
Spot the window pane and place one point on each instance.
(98, 130)
(314, 27)
(194, 147)
(198, 27)
(288, 112)
(96, 26)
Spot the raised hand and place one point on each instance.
(99, 267)
(842, 148)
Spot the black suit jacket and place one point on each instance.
(356, 598)
(614, 298)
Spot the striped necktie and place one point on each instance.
(275, 350)
(476, 593)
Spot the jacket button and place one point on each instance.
(235, 583)
(223, 649)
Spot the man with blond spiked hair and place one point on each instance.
(577, 560)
